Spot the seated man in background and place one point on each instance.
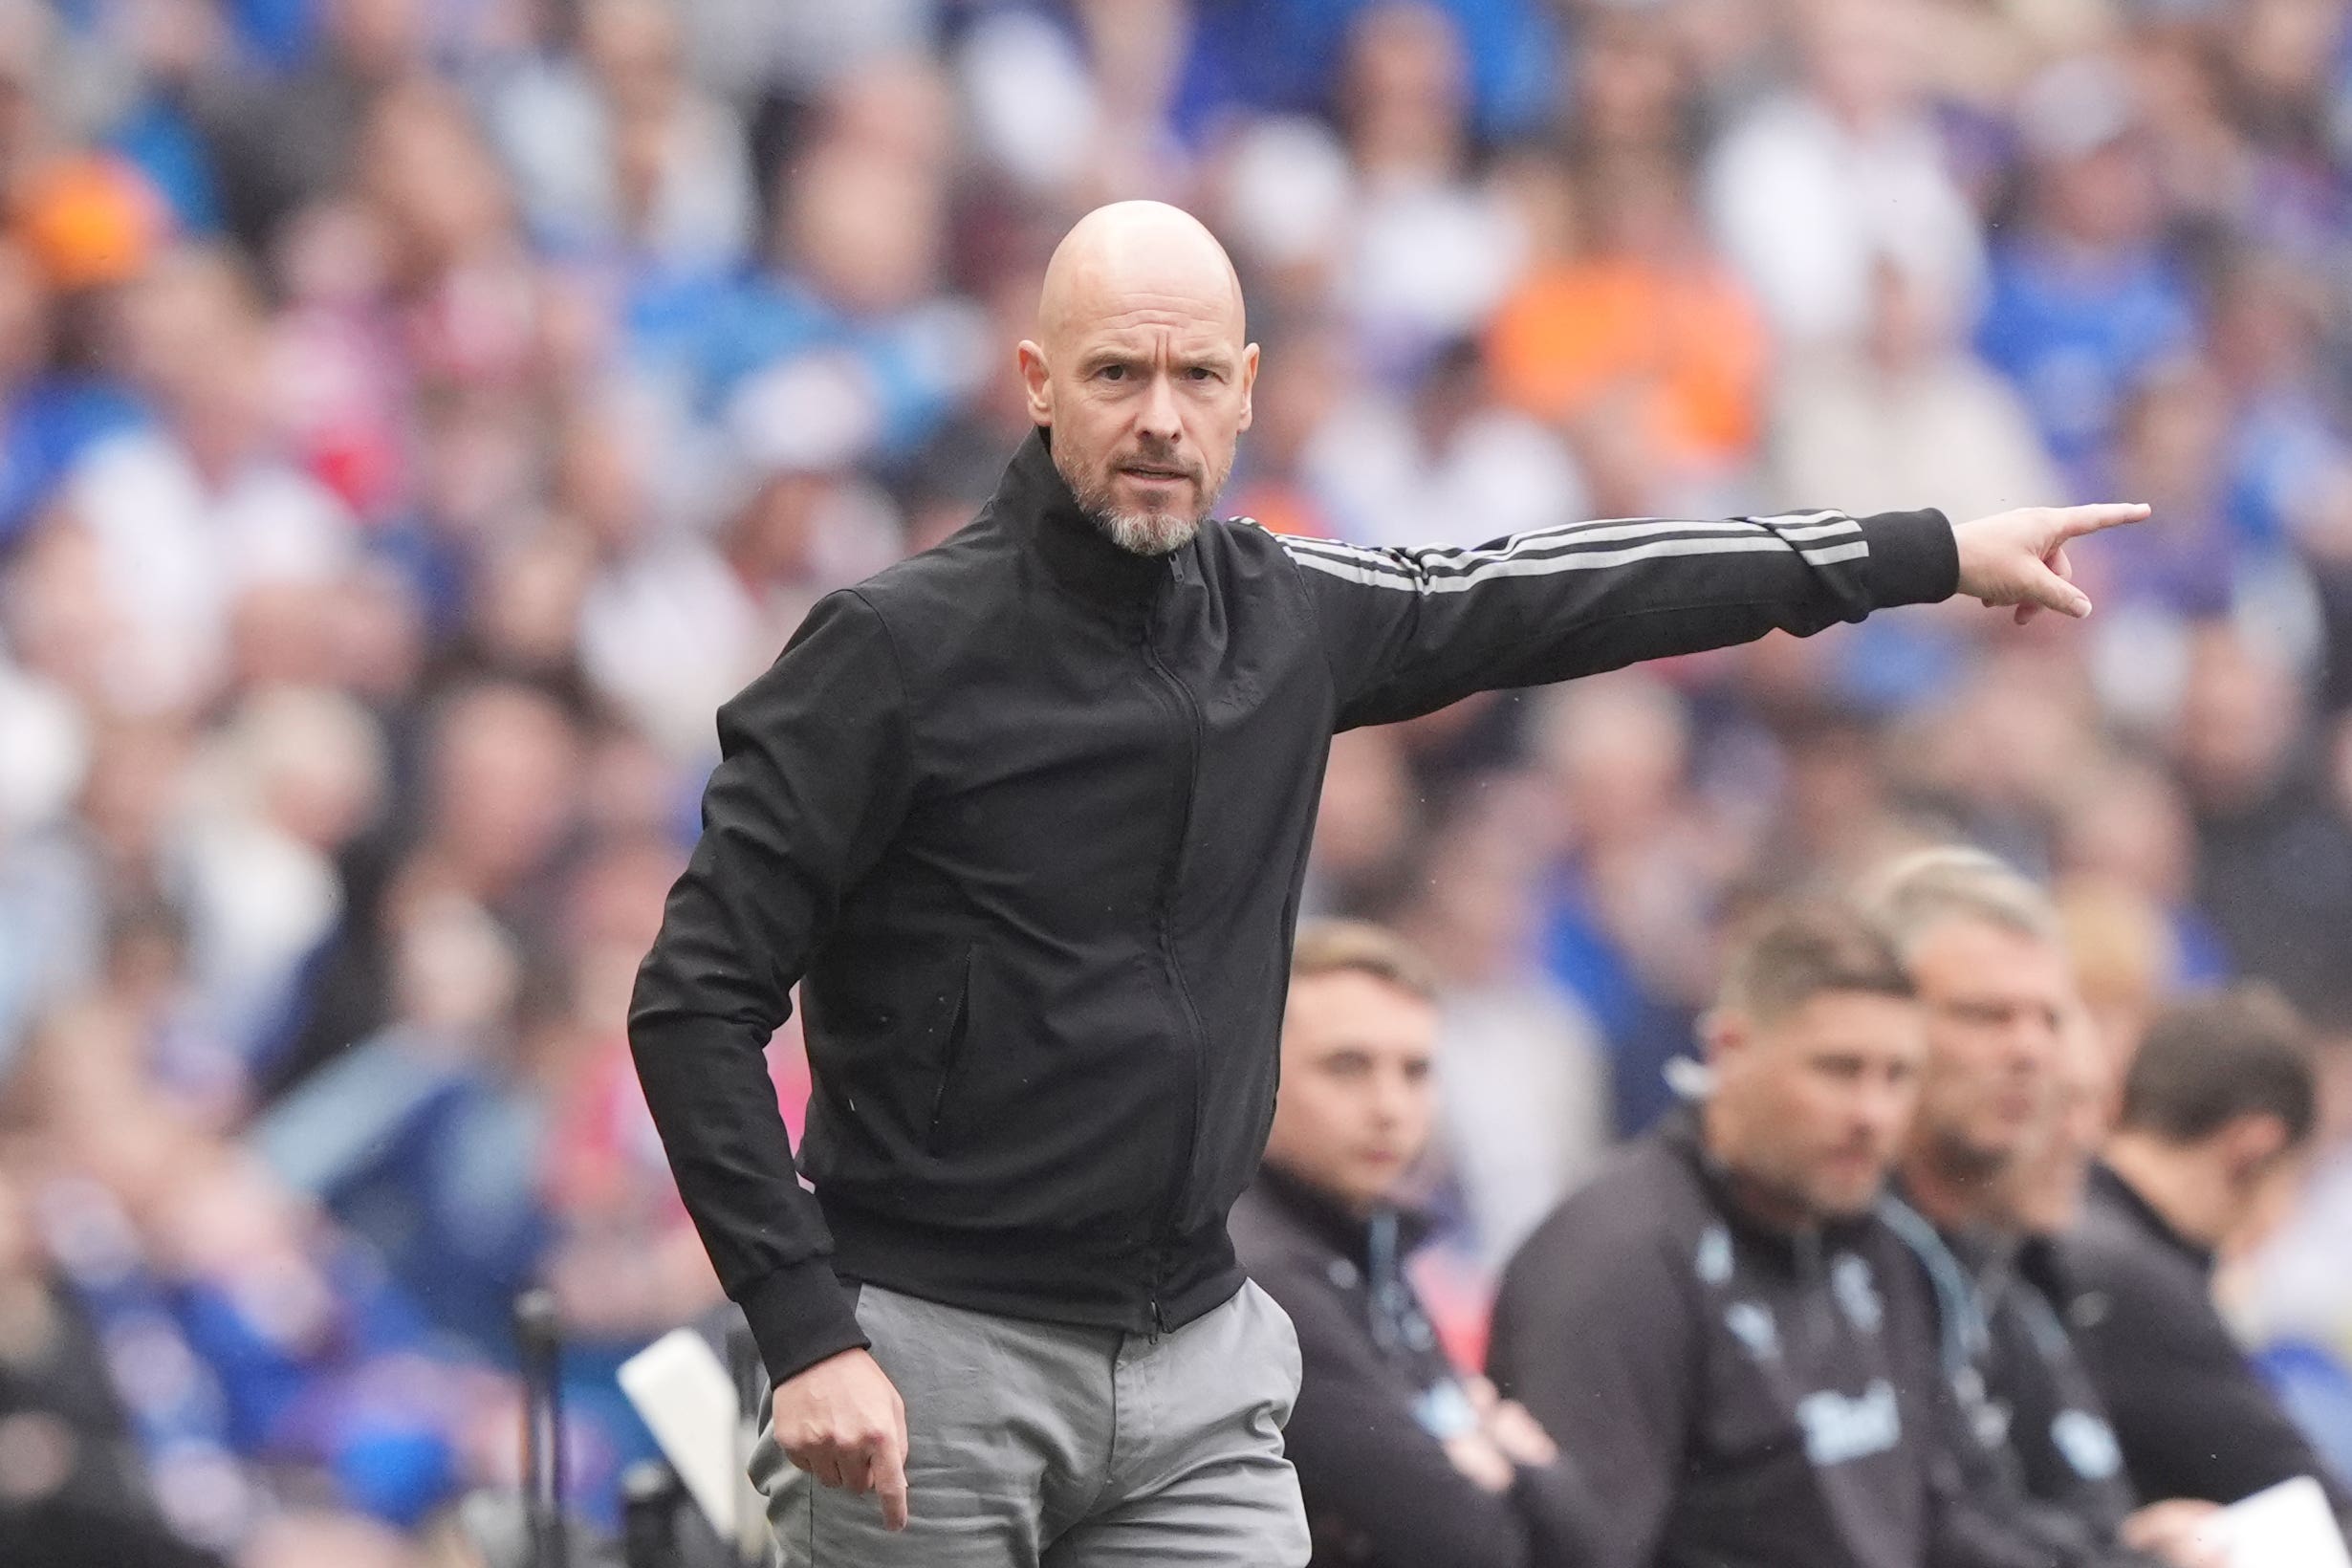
(1723, 1340)
(1402, 1462)
(2058, 1423)
(2012, 1101)
(2220, 1101)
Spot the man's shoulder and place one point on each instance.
(1271, 1242)
(1644, 1202)
(932, 603)
(1244, 546)
(2132, 1273)
(944, 575)
(2125, 1281)
(2112, 1240)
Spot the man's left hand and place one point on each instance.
(2019, 557)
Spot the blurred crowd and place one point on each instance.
(416, 415)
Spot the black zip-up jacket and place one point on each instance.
(1378, 1400)
(2030, 1435)
(2192, 1415)
(1025, 816)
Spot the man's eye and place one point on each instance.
(1201, 373)
(1112, 373)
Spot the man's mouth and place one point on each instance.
(1146, 470)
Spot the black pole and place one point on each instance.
(651, 1498)
(538, 1339)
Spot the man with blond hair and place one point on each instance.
(1400, 1458)
(2008, 1052)
(1025, 818)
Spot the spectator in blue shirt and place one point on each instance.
(2087, 296)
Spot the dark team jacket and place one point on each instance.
(1026, 818)
(1379, 1400)
(2030, 1436)
(1738, 1396)
(1741, 1396)
(2193, 1416)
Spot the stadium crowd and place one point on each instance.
(417, 415)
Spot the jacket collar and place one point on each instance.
(1330, 1223)
(1036, 503)
(2141, 1216)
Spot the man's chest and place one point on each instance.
(1115, 752)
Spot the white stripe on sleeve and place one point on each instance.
(1405, 569)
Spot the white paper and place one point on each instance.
(2288, 1526)
(686, 1397)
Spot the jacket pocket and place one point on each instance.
(951, 1055)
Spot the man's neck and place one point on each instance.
(2171, 1182)
(1762, 1202)
(1306, 1190)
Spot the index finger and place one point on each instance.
(2073, 522)
(890, 1488)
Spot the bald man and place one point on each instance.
(1025, 816)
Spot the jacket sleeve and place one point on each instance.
(2193, 1417)
(1593, 1334)
(814, 778)
(1376, 1481)
(1409, 630)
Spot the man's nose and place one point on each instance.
(2032, 1046)
(1883, 1109)
(1159, 421)
(1392, 1098)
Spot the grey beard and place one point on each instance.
(1139, 532)
(1145, 532)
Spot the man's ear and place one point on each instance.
(1249, 379)
(1724, 1032)
(2250, 1147)
(1036, 382)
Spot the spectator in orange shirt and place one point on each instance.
(1638, 334)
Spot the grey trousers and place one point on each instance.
(1042, 1446)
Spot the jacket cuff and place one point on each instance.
(799, 1315)
(1913, 557)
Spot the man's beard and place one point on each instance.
(1963, 1160)
(1158, 533)
(1147, 533)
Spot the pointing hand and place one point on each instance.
(2019, 557)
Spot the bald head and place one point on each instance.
(1142, 371)
(1137, 254)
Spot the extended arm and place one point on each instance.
(1410, 630)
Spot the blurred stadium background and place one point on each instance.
(416, 415)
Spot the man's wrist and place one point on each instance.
(800, 1315)
(1914, 558)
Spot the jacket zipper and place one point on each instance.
(1168, 886)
